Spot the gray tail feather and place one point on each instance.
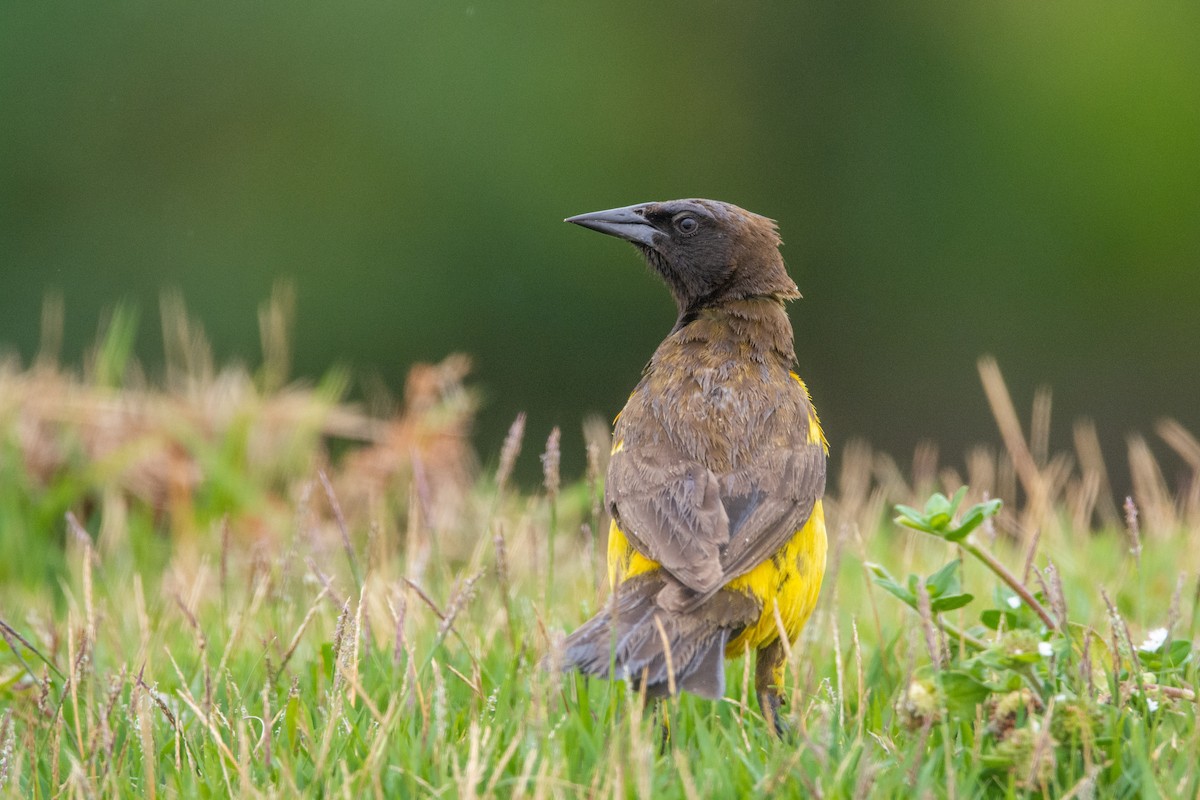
(626, 636)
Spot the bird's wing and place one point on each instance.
(706, 529)
(783, 487)
(670, 509)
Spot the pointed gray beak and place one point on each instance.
(626, 223)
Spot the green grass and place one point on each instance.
(256, 630)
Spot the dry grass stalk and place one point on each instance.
(1038, 492)
(1010, 426)
(1182, 442)
(145, 729)
(291, 648)
(1042, 751)
(839, 670)
(550, 462)
(510, 450)
(343, 529)
(861, 714)
(275, 321)
(926, 614)
(666, 643)
(462, 595)
(7, 737)
(1091, 462)
(1122, 640)
(1175, 609)
(854, 479)
(1082, 499)
(1133, 528)
(1055, 595)
(1039, 425)
(1150, 490)
(924, 467)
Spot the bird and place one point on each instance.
(717, 541)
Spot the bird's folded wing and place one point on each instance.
(706, 529)
(670, 509)
(783, 490)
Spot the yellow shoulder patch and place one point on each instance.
(815, 433)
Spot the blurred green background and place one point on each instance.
(950, 180)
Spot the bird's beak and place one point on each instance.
(626, 223)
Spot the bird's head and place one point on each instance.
(706, 251)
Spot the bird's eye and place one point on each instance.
(686, 224)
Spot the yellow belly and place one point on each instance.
(790, 579)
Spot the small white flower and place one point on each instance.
(1151, 704)
(1154, 640)
(1014, 602)
(1045, 650)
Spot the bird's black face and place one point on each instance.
(692, 244)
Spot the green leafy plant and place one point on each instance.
(1032, 692)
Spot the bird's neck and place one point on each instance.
(758, 324)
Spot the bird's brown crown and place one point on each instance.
(707, 251)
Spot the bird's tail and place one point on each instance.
(636, 639)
